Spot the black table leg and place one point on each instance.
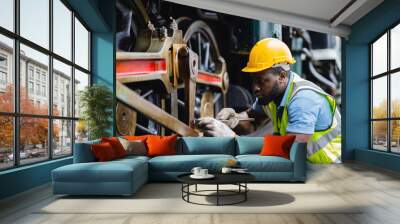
(245, 193)
(188, 189)
(217, 194)
(182, 190)
(242, 191)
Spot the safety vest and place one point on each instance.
(324, 146)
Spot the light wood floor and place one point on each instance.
(378, 188)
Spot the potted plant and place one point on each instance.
(96, 103)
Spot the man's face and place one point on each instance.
(266, 86)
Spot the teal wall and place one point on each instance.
(356, 84)
(103, 53)
(99, 16)
(24, 178)
(101, 20)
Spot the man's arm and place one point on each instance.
(257, 115)
(247, 127)
(300, 137)
(303, 113)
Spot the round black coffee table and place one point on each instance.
(238, 179)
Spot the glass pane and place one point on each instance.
(81, 45)
(379, 135)
(6, 142)
(81, 131)
(395, 47)
(379, 97)
(379, 55)
(62, 138)
(7, 14)
(35, 21)
(395, 136)
(395, 94)
(34, 96)
(33, 139)
(62, 89)
(62, 29)
(81, 81)
(6, 74)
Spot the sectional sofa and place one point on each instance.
(125, 176)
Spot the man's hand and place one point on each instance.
(213, 127)
(230, 117)
(226, 114)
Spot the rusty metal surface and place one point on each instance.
(207, 104)
(187, 70)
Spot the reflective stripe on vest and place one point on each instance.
(324, 146)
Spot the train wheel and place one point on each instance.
(200, 38)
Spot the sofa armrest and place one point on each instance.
(83, 152)
(298, 155)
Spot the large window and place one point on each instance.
(385, 93)
(44, 64)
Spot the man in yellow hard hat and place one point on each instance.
(294, 105)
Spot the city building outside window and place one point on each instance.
(43, 77)
(38, 89)
(37, 74)
(3, 72)
(30, 87)
(37, 111)
(3, 79)
(30, 72)
(3, 61)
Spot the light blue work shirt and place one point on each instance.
(308, 111)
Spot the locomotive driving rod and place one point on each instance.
(135, 101)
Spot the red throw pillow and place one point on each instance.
(103, 151)
(277, 145)
(161, 145)
(116, 145)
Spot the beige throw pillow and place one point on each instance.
(136, 147)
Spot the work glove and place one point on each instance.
(229, 117)
(213, 127)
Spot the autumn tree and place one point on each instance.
(33, 131)
(6, 122)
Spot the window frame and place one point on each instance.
(16, 114)
(388, 74)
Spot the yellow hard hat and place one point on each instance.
(266, 53)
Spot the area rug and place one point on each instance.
(167, 198)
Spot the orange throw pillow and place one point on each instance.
(277, 145)
(136, 137)
(116, 145)
(161, 145)
(103, 151)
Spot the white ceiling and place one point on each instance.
(316, 15)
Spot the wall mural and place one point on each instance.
(178, 66)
